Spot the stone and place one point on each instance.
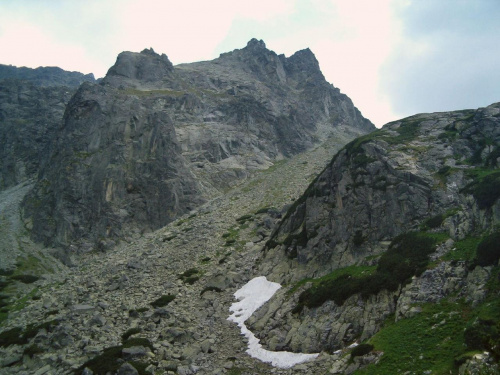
(127, 369)
(134, 353)
(82, 309)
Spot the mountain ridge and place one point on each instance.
(176, 136)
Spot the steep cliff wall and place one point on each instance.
(153, 141)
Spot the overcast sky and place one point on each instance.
(393, 58)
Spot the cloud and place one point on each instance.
(188, 30)
(446, 58)
(70, 34)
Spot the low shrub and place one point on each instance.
(433, 222)
(26, 279)
(191, 280)
(130, 332)
(163, 301)
(361, 350)
(13, 336)
(488, 250)
(483, 335)
(31, 350)
(20, 336)
(485, 189)
(107, 362)
(358, 238)
(243, 219)
(188, 273)
(406, 257)
(190, 276)
(138, 341)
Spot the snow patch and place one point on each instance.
(250, 297)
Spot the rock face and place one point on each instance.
(45, 76)
(30, 117)
(431, 173)
(389, 182)
(153, 141)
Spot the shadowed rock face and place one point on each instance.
(32, 104)
(30, 117)
(153, 141)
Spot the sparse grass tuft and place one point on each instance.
(163, 300)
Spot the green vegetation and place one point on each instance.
(31, 350)
(111, 358)
(428, 341)
(484, 187)
(190, 276)
(130, 332)
(20, 336)
(137, 341)
(353, 271)
(488, 250)
(264, 210)
(105, 362)
(441, 337)
(235, 371)
(464, 249)
(136, 92)
(354, 147)
(433, 222)
(205, 260)
(407, 256)
(26, 279)
(163, 301)
(358, 238)
(361, 349)
(491, 159)
(169, 238)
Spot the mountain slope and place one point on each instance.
(415, 204)
(153, 141)
(443, 317)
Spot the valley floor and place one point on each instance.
(199, 260)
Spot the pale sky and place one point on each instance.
(393, 58)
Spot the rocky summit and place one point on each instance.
(148, 199)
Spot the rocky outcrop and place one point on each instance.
(431, 173)
(388, 183)
(47, 76)
(153, 141)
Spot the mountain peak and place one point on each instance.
(256, 44)
(146, 66)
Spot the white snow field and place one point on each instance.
(250, 297)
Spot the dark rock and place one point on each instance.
(134, 353)
(127, 369)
